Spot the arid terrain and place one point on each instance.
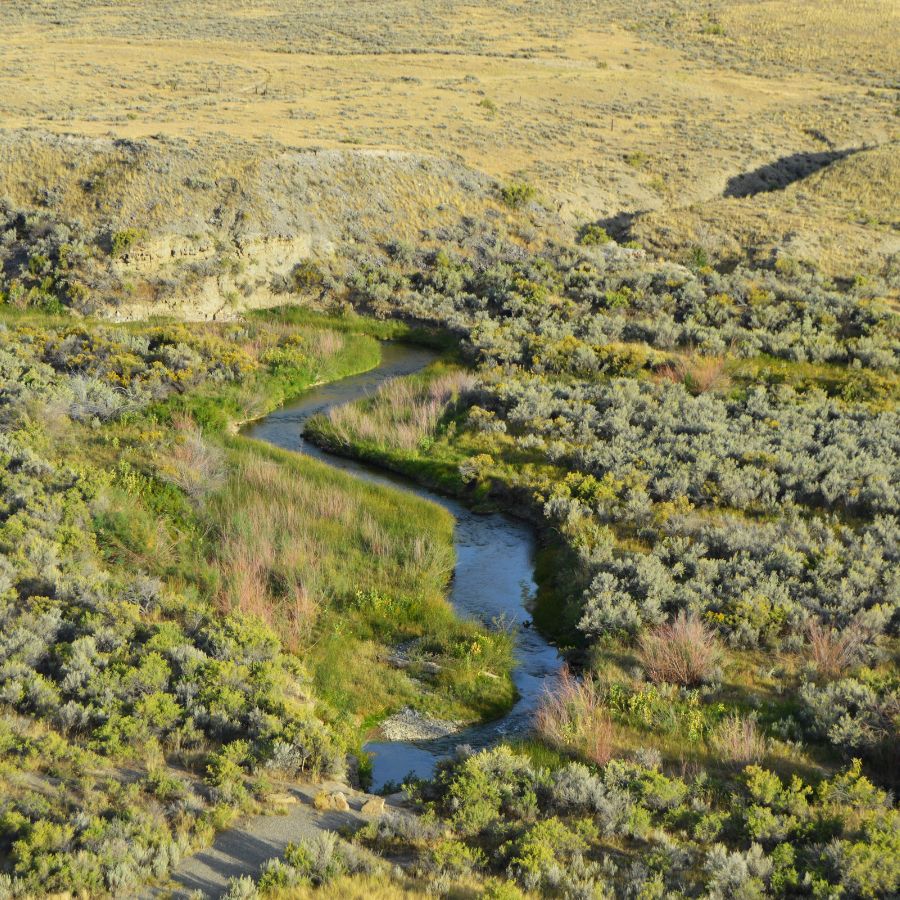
(648, 119)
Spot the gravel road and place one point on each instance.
(243, 849)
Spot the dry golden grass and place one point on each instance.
(857, 38)
(280, 130)
(698, 373)
(842, 220)
(566, 94)
(683, 651)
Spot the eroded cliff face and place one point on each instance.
(204, 230)
(206, 280)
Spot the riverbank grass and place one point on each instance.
(342, 571)
(347, 571)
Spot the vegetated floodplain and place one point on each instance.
(713, 466)
(726, 523)
(189, 616)
(657, 246)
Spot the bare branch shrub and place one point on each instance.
(683, 651)
(192, 464)
(574, 717)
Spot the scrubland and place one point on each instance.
(659, 245)
(181, 607)
(712, 460)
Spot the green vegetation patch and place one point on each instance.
(188, 616)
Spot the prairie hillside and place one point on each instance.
(616, 113)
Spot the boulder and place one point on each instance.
(331, 800)
(374, 806)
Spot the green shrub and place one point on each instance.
(122, 241)
(516, 194)
(544, 847)
(307, 276)
(593, 235)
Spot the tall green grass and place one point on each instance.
(404, 426)
(350, 322)
(342, 570)
(345, 570)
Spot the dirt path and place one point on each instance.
(242, 850)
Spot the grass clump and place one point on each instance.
(402, 414)
(832, 651)
(684, 651)
(573, 716)
(738, 740)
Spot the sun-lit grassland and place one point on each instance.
(610, 109)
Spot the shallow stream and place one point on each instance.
(492, 579)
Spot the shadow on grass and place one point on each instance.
(777, 175)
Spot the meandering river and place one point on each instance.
(494, 565)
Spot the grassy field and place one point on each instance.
(614, 112)
(345, 571)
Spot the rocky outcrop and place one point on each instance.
(217, 227)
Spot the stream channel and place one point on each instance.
(494, 572)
